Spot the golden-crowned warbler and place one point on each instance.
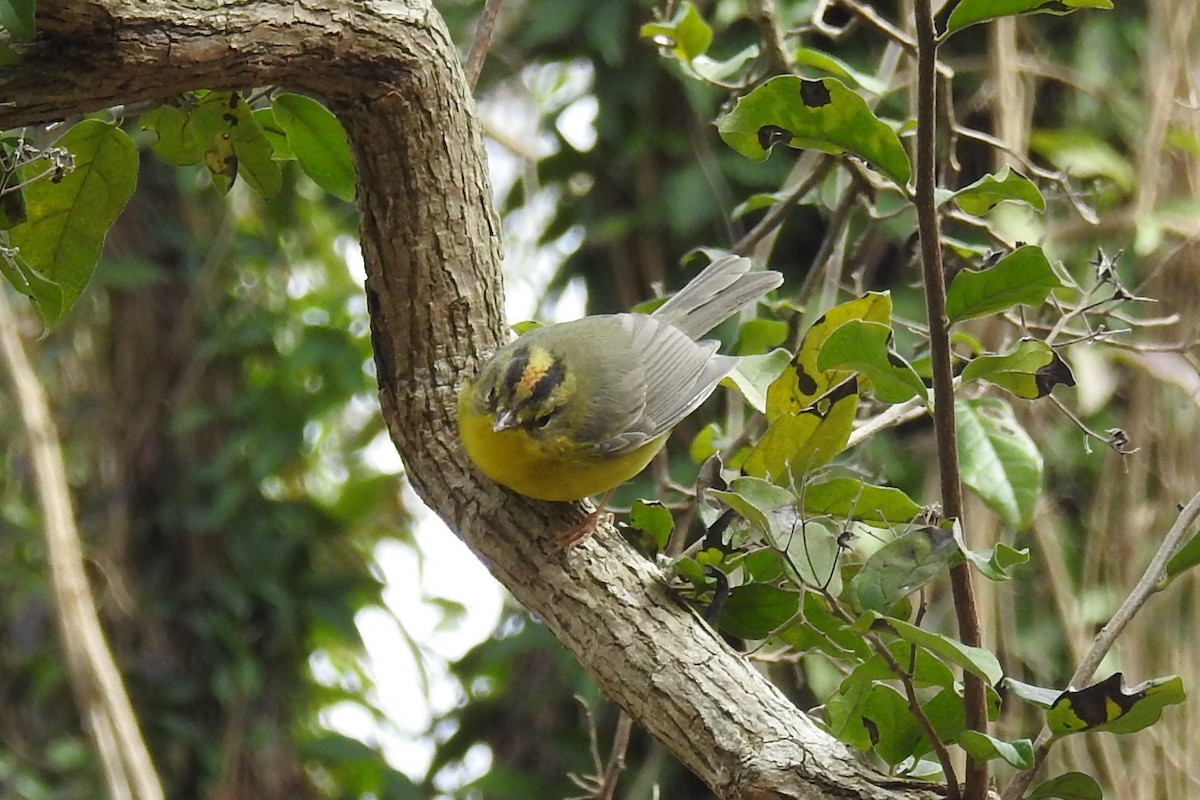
(574, 409)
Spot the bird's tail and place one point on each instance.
(723, 288)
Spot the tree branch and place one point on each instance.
(943, 375)
(431, 242)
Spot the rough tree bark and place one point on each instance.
(430, 239)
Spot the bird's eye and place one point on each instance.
(540, 422)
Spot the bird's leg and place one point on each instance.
(574, 535)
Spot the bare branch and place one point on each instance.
(99, 691)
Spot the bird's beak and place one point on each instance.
(504, 420)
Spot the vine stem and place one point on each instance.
(976, 784)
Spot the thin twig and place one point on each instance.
(1151, 582)
(95, 680)
(764, 16)
(974, 697)
(483, 40)
(616, 757)
(778, 212)
(910, 692)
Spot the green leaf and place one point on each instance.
(761, 336)
(844, 716)
(720, 70)
(975, 659)
(753, 376)
(902, 566)
(16, 17)
(796, 443)
(818, 59)
(47, 296)
(1023, 277)
(1184, 559)
(895, 731)
(823, 630)
(866, 347)
(68, 219)
(969, 12)
(319, 142)
(12, 202)
(686, 34)
(1036, 695)
(994, 564)
(275, 134)
(982, 747)
(847, 498)
(802, 383)
(1069, 786)
(813, 553)
(755, 499)
(653, 519)
(8, 55)
(1108, 706)
(176, 143)
(756, 610)
(1000, 463)
(928, 669)
(1029, 371)
(820, 114)
(232, 144)
(989, 191)
(1084, 154)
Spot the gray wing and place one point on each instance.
(673, 375)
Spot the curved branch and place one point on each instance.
(431, 244)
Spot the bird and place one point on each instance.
(575, 409)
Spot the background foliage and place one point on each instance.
(214, 385)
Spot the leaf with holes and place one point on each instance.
(1030, 371)
(802, 382)
(1109, 706)
(232, 144)
(820, 114)
(866, 347)
(796, 443)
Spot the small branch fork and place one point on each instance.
(602, 784)
(976, 784)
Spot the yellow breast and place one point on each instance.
(546, 470)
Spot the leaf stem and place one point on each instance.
(943, 378)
